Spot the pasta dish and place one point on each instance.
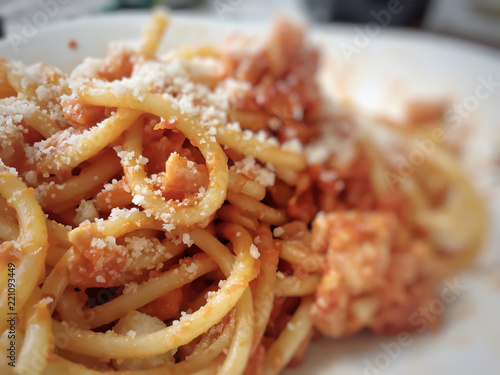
(208, 211)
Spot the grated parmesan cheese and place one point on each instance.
(249, 166)
(254, 251)
(328, 176)
(278, 231)
(186, 238)
(100, 279)
(86, 210)
(293, 145)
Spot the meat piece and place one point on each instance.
(98, 261)
(375, 274)
(183, 177)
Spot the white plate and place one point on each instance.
(394, 66)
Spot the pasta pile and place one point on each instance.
(206, 211)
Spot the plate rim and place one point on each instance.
(447, 42)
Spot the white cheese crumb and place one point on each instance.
(31, 178)
(169, 227)
(86, 210)
(328, 176)
(100, 279)
(254, 251)
(293, 145)
(249, 166)
(186, 238)
(131, 333)
(278, 231)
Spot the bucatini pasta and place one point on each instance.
(206, 211)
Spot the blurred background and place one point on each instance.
(475, 20)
